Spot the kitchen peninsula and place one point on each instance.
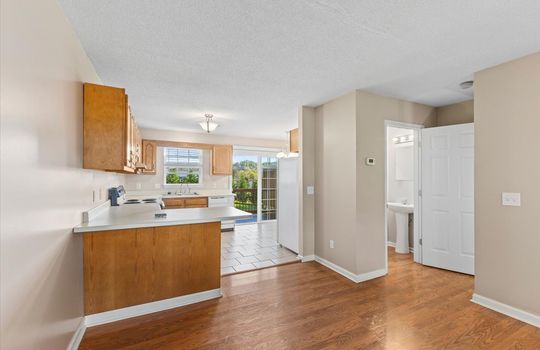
(136, 263)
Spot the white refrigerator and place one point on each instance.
(288, 207)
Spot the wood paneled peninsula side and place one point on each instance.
(133, 260)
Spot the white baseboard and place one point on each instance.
(307, 258)
(507, 310)
(393, 245)
(346, 273)
(77, 336)
(148, 308)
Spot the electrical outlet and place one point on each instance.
(138, 186)
(157, 186)
(332, 243)
(310, 190)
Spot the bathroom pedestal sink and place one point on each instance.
(402, 212)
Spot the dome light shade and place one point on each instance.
(208, 125)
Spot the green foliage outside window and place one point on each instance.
(192, 177)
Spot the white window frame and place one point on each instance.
(166, 166)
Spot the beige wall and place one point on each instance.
(507, 124)
(306, 122)
(44, 188)
(335, 180)
(372, 111)
(457, 113)
(350, 199)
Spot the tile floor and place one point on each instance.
(252, 246)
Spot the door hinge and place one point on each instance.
(420, 241)
(419, 193)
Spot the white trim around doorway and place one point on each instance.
(417, 182)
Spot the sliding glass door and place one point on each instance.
(255, 184)
(268, 188)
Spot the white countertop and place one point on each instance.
(142, 215)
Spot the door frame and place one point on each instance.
(417, 234)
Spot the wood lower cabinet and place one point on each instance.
(178, 203)
(136, 266)
(222, 159)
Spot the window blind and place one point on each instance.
(186, 157)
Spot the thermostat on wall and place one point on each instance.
(370, 161)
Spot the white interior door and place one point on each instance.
(288, 204)
(448, 197)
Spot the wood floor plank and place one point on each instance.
(307, 306)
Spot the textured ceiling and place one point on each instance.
(253, 62)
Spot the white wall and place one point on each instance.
(171, 135)
(44, 188)
(397, 190)
(210, 182)
(156, 182)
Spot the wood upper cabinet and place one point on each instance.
(293, 141)
(105, 128)
(111, 138)
(222, 159)
(149, 156)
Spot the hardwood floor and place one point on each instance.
(307, 306)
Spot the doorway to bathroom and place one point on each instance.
(402, 178)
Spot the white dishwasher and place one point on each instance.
(223, 201)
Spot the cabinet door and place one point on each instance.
(173, 203)
(149, 156)
(129, 136)
(105, 134)
(222, 159)
(196, 202)
(293, 140)
(137, 144)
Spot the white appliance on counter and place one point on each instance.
(223, 201)
(288, 208)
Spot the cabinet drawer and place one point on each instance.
(172, 203)
(196, 202)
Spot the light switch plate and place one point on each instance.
(511, 199)
(310, 190)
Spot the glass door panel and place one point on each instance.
(245, 185)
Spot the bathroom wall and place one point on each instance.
(398, 190)
(44, 188)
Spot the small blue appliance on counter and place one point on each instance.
(115, 193)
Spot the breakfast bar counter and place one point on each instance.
(135, 263)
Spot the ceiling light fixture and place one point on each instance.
(466, 84)
(208, 125)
